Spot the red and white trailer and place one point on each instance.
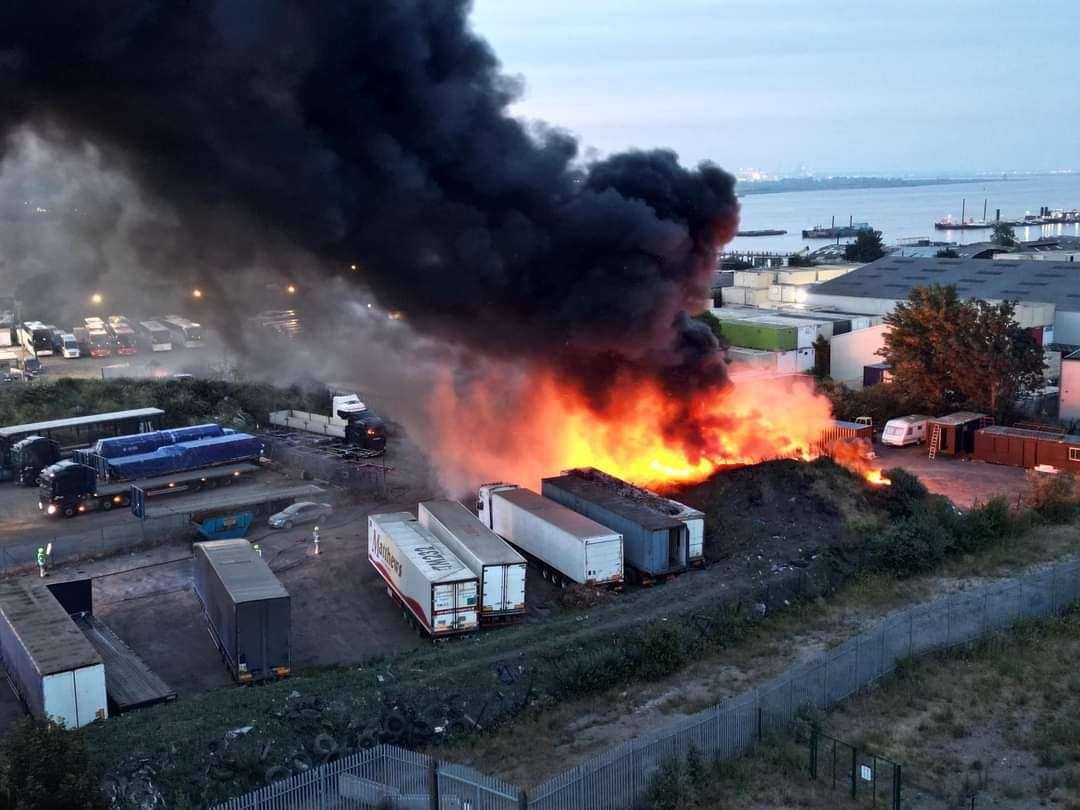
(436, 588)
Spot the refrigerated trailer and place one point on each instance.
(54, 669)
(246, 607)
(436, 588)
(568, 544)
(499, 569)
(655, 542)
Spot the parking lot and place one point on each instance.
(961, 480)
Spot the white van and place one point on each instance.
(70, 346)
(905, 430)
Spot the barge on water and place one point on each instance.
(849, 231)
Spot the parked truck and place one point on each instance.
(30, 456)
(436, 590)
(350, 419)
(500, 571)
(656, 543)
(246, 607)
(569, 545)
(56, 673)
(157, 462)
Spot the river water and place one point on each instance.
(902, 213)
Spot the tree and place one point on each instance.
(1003, 234)
(43, 767)
(945, 352)
(867, 247)
(947, 253)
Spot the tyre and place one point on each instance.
(69, 511)
(228, 482)
(277, 773)
(288, 525)
(321, 519)
(106, 505)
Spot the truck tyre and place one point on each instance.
(394, 724)
(277, 773)
(324, 745)
(288, 525)
(69, 511)
(106, 505)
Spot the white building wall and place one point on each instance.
(1070, 390)
(1067, 327)
(851, 303)
(850, 352)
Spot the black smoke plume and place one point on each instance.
(376, 133)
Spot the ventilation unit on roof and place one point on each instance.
(989, 272)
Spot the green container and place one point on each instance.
(765, 336)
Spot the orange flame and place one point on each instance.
(522, 426)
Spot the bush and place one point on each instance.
(1054, 498)
(983, 525)
(913, 545)
(44, 767)
(665, 648)
(906, 496)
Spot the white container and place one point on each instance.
(500, 569)
(310, 422)
(905, 430)
(572, 544)
(435, 586)
(54, 669)
(754, 279)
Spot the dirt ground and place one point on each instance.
(963, 481)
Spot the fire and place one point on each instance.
(516, 425)
(877, 477)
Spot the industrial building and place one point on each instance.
(1069, 407)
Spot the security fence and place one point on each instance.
(100, 542)
(620, 777)
(842, 767)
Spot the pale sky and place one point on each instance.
(836, 85)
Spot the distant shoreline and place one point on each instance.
(747, 188)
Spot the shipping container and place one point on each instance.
(956, 432)
(432, 584)
(246, 607)
(571, 545)
(499, 569)
(841, 431)
(764, 336)
(57, 673)
(754, 279)
(655, 543)
(1019, 447)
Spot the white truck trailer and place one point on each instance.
(571, 545)
(54, 669)
(436, 588)
(499, 569)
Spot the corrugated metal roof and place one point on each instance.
(244, 573)
(34, 427)
(45, 628)
(632, 503)
(1024, 433)
(467, 527)
(555, 513)
(1057, 283)
(958, 418)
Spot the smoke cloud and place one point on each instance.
(374, 134)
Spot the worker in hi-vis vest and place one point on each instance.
(258, 549)
(315, 538)
(41, 560)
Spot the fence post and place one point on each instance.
(759, 729)
(433, 783)
(1053, 591)
(896, 787)
(523, 800)
(854, 772)
(813, 750)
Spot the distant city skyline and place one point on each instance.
(914, 87)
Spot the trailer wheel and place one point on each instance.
(69, 511)
(106, 505)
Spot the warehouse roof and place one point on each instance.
(45, 628)
(632, 503)
(895, 276)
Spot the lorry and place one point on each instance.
(56, 673)
(905, 430)
(246, 607)
(656, 542)
(568, 545)
(350, 419)
(157, 462)
(30, 456)
(500, 571)
(436, 590)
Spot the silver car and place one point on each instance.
(300, 512)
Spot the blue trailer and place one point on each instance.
(655, 541)
(93, 481)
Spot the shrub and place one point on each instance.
(906, 496)
(43, 767)
(1054, 497)
(983, 525)
(665, 648)
(912, 545)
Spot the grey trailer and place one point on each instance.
(54, 670)
(655, 542)
(246, 607)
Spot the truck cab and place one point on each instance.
(64, 486)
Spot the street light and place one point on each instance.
(291, 289)
(96, 298)
(196, 293)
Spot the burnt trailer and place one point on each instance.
(841, 431)
(954, 434)
(1019, 447)
(246, 607)
(655, 541)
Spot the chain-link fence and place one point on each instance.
(620, 777)
(100, 542)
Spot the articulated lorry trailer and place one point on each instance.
(500, 571)
(436, 590)
(350, 420)
(569, 545)
(157, 462)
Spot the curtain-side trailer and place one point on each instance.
(436, 588)
(499, 569)
(571, 545)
